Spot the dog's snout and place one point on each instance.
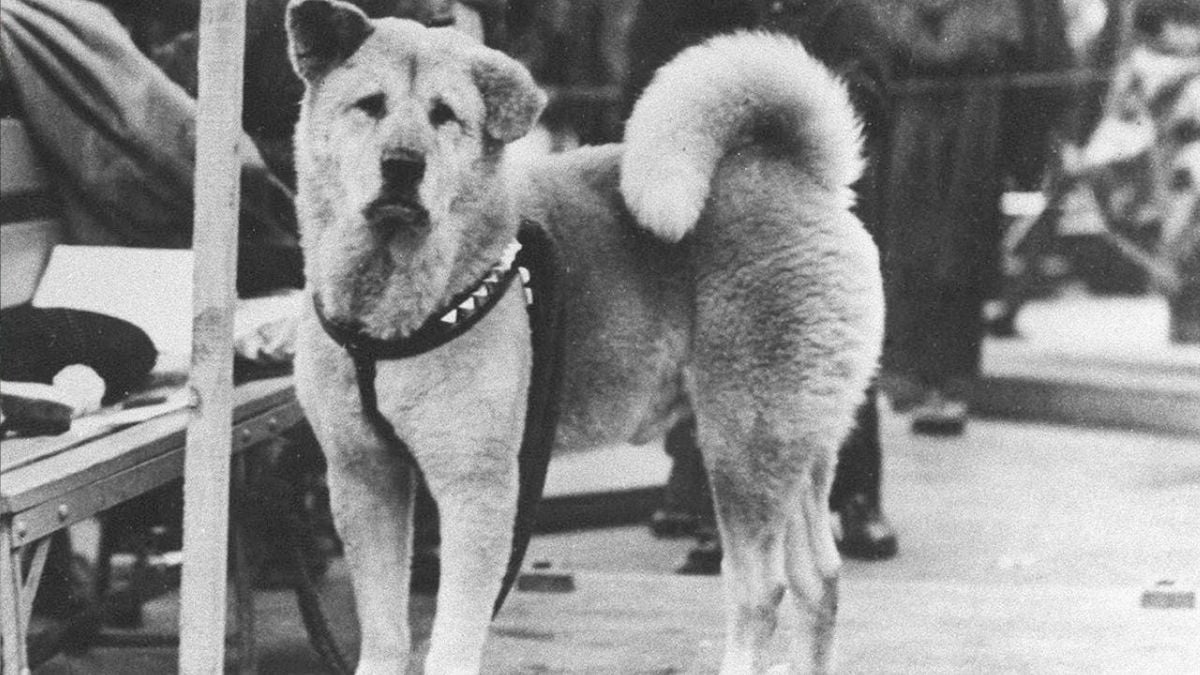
(403, 169)
(397, 204)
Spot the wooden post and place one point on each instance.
(214, 245)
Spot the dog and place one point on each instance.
(713, 265)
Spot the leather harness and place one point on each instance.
(539, 264)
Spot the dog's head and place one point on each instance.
(398, 150)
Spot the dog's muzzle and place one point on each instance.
(391, 214)
(397, 206)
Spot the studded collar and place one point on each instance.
(453, 319)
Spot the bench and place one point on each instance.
(50, 483)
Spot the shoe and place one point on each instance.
(865, 534)
(940, 416)
(705, 558)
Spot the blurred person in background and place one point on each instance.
(1033, 252)
(962, 136)
(576, 49)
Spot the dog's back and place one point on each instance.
(737, 262)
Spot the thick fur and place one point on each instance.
(713, 266)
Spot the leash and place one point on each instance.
(539, 263)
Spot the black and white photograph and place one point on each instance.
(599, 336)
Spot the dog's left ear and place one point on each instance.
(322, 34)
(511, 98)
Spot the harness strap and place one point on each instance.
(364, 373)
(540, 258)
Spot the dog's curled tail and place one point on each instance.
(747, 87)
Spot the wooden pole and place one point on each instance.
(214, 245)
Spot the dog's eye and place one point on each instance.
(374, 105)
(441, 114)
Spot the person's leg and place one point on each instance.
(865, 532)
(909, 317)
(686, 502)
(951, 366)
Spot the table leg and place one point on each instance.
(12, 621)
(33, 579)
(243, 590)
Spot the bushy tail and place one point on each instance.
(730, 90)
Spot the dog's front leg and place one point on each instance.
(371, 495)
(477, 504)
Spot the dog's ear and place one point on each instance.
(322, 34)
(511, 98)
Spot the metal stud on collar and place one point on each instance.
(482, 294)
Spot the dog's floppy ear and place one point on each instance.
(510, 97)
(323, 33)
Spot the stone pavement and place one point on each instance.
(1093, 361)
(1024, 546)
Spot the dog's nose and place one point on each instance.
(403, 168)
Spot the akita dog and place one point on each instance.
(712, 265)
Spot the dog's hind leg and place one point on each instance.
(812, 563)
(753, 529)
(753, 590)
(770, 489)
(371, 494)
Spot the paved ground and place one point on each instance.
(1024, 548)
(1093, 361)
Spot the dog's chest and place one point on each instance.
(474, 378)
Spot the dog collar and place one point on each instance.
(453, 319)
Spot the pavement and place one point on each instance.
(1026, 545)
(1093, 361)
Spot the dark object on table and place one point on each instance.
(39, 343)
